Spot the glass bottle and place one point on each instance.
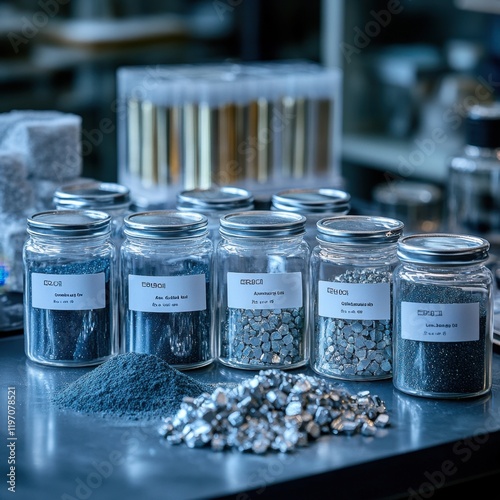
(112, 198)
(262, 265)
(443, 316)
(417, 204)
(474, 175)
(473, 191)
(314, 204)
(214, 202)
(166, 277)
(351, 281)
(70, 296)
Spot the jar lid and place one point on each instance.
(439, 248)
(69, 223)
(166, 224)
(215, 199)
(262, 224)
(482, 125)
(359, 229)
(93, 195)
(323, 200)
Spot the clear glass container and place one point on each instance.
(351, 283)
(262, 282)
(443, 316)
(215, 202)
(474, 175)
(112, 198)
(419, 205)
(166, 276)
(314, 204)
(70, 306)
(473, 191)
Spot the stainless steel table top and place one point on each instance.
(430, 445)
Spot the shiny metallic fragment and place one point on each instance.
(273, 411)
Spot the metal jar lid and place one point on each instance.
(445, 249)
(323, 200)
(359, 229)
(262, 224)
(69, 223)
(166, 224)
(93, 195)
(215, 199)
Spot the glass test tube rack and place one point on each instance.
(195, 126)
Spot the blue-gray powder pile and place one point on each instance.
(132, 385)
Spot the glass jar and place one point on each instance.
(351, 281)
(474, 175)
(474, 187)
(314, 204)
(166, 276)
(417, 204)
(214, 202)
(112, 198)
(443, 317)
(70, 296)
(262, 266)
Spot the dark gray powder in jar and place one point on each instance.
(131, 385)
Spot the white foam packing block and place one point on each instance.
(12, 169)
(12, 240)
(11, 118)
(52, 146)
(18, 198)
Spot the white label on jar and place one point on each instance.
(440, 322)
(371, 301)
(167, 294)
(264, 290)
(68, 292)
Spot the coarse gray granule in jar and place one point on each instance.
(262, 287)
(351, 282)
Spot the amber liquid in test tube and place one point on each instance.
(227, 141)
(240, 122)
(248, 146)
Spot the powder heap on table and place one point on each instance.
(131, 385)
